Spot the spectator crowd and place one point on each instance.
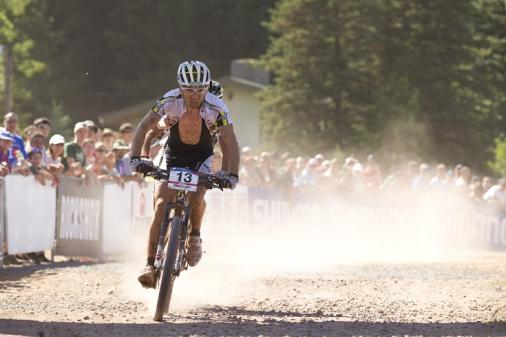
(98, 155)
(93, 154)
(353, 177)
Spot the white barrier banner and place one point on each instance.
(142, 208)
(117, 218)
(30, 214)
(226, 211)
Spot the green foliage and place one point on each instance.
(419, 77)
(19, 19)
(107, 55)
(60, 122)
(498, 165)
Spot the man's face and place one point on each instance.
(81, 134)
(127, 136)
(194, 96)
(44, 128)
(11, 122)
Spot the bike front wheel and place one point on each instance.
(168, 273)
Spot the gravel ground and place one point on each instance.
(452, 298)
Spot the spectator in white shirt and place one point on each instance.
(440, 180)
(497, 194)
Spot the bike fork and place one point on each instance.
(163, 233)
(181, 261)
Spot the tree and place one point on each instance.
(15, 25)
(110, 54)
(361, 74)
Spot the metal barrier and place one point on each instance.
(79, 218)
(102, 219)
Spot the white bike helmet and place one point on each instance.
(193, 74)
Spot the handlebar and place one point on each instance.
(208, 180)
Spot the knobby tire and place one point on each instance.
(168, 273)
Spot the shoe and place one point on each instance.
(11, 259)
(147, 277)
(194, 250)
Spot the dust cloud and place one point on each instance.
(316, 237)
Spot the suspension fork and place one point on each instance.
(163, 233)
(184, 211)
(181, 208)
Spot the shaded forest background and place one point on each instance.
(423, 78)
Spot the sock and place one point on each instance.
(195, 232)
(151, 261)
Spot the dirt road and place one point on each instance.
(463, 297)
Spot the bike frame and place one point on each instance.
(181, 208)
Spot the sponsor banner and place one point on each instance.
(142, 208)
(226, 211)
(117, 217)
(78, 218)
(30, 217)
(482, 228)
(370, 220)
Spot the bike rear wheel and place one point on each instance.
(168, 273)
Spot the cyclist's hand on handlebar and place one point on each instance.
(227, 179)
(141, 165)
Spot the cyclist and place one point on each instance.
(159, 132)
(194, 117)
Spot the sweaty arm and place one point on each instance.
(147, 123)
(230, 149)
(155, 133)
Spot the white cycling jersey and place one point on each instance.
(170, 107)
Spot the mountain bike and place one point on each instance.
(170, 258)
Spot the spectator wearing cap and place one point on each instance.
(497, 194)
(73, 155)
(126, 133)
(55, 155)
(110, 168)
(122, 161)
(108, 138)
(11, 125)
(6, 141)
(37, 168)
(93, 130)
(43, 125)
(37, 143)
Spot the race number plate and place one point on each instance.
(183, 179)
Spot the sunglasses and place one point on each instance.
(196, 90)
